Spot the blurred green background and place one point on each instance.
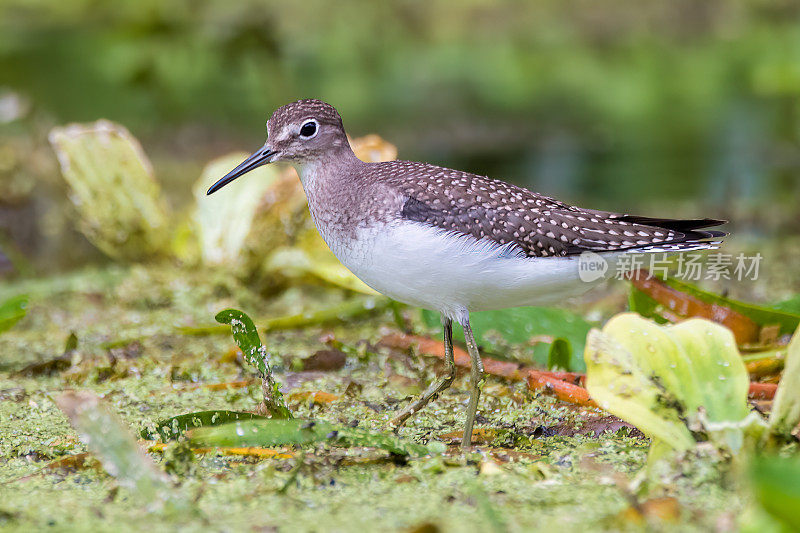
(682, 108)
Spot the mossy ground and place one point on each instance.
(532, 474)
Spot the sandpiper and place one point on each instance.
(447, 240)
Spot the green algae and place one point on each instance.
(539, 481)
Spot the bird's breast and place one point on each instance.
(343, 205)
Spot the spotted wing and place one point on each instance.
(537, 225)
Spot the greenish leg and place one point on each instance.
(435, 388)
(475, 382)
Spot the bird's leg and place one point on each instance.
(435, 388)
(475, 383)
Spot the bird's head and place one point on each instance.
(300, 132)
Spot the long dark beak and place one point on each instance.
(262, 157)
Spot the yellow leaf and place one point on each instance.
(113, 189)
(224, 220)
(785, 413)
(667, 380)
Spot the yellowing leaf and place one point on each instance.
(372, 148)
(113, 189)
(311, 257)
(620, 386)
(668, 379)
(224, 219)
(785, 413)
(282, 218)
(260, 223)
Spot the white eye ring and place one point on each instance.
(308, 125)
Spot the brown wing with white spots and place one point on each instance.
(539, 226)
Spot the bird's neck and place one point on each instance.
(333, 192)
(329, 170)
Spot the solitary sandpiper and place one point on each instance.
(450, 241)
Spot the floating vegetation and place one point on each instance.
(565, 425)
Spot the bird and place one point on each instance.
(451, 241)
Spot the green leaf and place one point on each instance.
(785, 414)
(792, 305)
(620, 386)
(72, 342)
(246, 337)
(298, 432)
(787, 319)
(519, 325)
(360, 437)
(559, 355)
(174, 427)
(776, 483)
(263, 433)
(12, 311)
(665, 378)
(644, 305)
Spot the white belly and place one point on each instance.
(430, 268)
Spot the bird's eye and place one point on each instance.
(309, 129)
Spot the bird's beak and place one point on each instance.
(261, 157)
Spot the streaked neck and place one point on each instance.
(330, 167)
